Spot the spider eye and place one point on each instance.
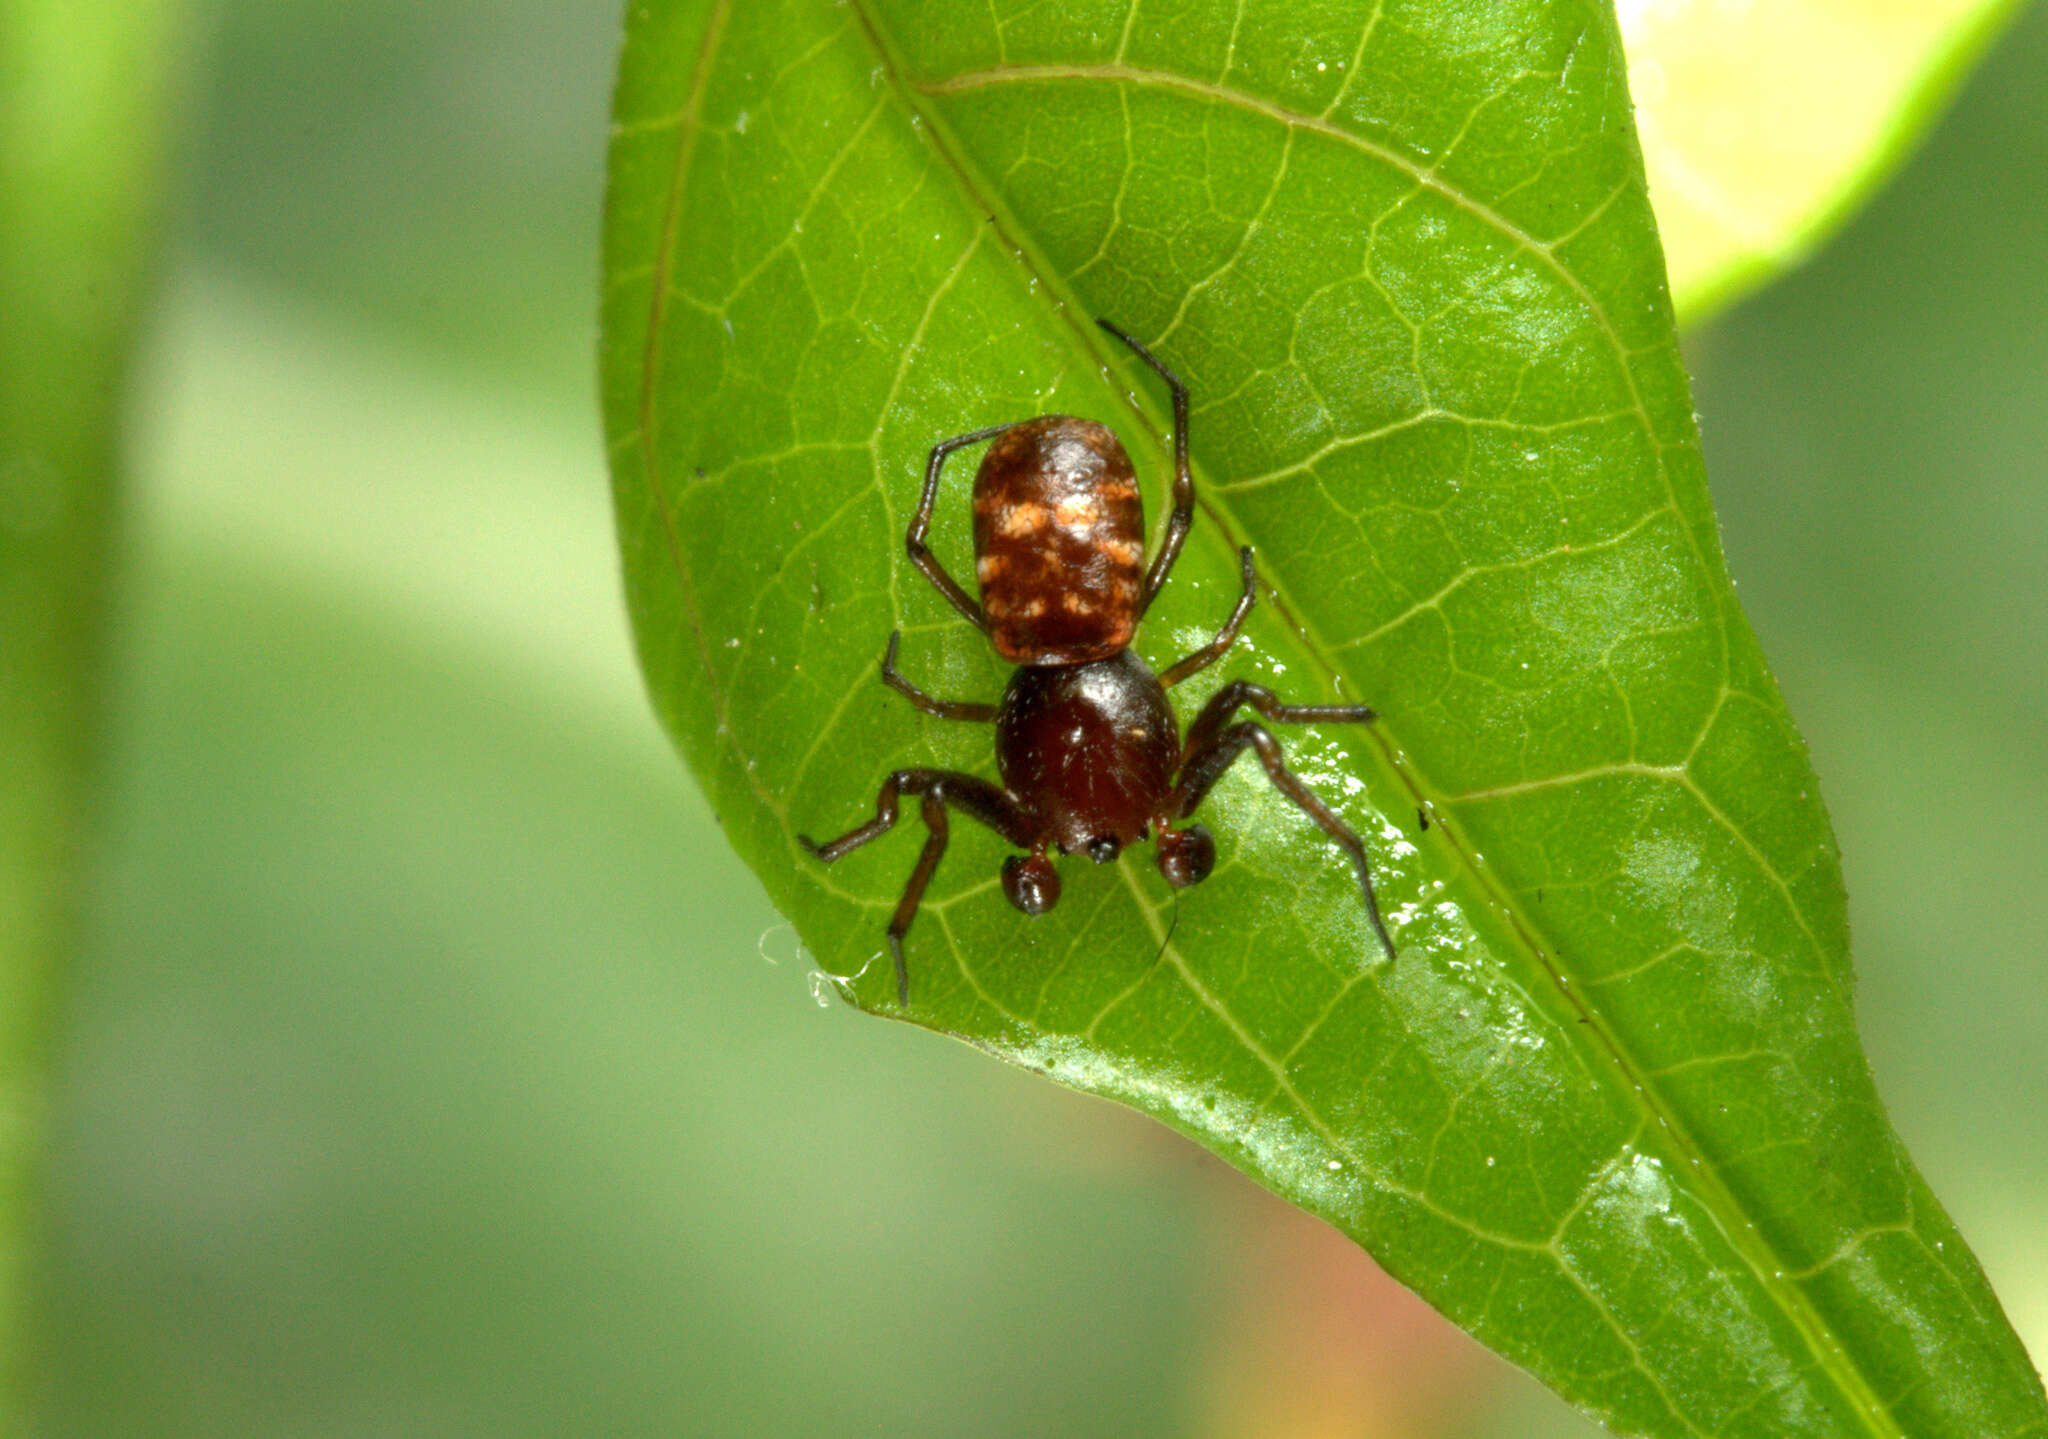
(1186, 856)
(1031, 884)
(1103, 849)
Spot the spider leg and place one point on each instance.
(938, 788)
(1213, 651)
(1239, 693)
(938, 708)
(921, 523)
(1213, 745)
(1183, 479)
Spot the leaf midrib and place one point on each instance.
(1747, 1240)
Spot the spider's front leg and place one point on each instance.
(972, 796)
(1213, 743)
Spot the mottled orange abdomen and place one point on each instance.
(1059, 542)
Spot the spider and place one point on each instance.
(1089, 751)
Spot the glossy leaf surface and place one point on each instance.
(1607, 1108)
(1763, 126)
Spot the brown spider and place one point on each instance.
(1088, 748)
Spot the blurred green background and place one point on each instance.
(433, 1069)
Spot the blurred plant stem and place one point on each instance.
(83, 92)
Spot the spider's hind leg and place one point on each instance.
(1183, 513)
(921, 522)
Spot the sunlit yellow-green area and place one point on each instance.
(434, 1068)
(1763, 124)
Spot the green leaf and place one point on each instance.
(1764, 126)
(81, 127)
(1607, 1109)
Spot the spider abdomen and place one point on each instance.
(1093, 744)
(1059, 542)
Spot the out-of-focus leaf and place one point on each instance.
(1607, 1108)
(1763, 126)
(81, 97)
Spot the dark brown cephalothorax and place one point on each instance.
(1090, 754)
(1103, 735)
